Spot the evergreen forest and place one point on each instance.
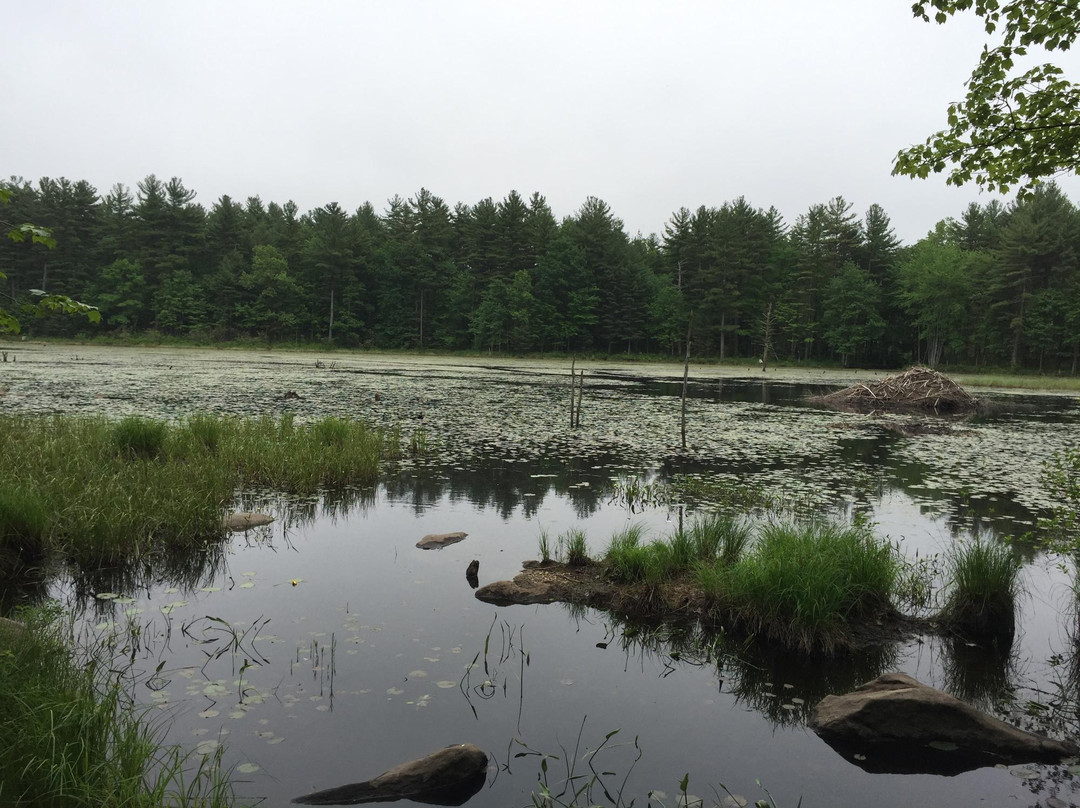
(996, 286)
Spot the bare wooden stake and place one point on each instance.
(685, 376)
(580, 395)
(573, 383)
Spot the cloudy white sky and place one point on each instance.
(648, 105)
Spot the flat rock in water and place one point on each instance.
(449, 776)
(897, 724)
(433, 541)
(244, 520)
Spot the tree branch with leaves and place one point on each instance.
(44, 303)
(1014, 128)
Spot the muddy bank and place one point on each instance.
(680, 600)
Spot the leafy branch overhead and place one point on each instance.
(44, 303)
(1016, 126)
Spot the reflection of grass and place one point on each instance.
(114, 492)
(70, 736)
(806, 584)
(984, 581)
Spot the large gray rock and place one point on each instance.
(434, 541)
(923, 729)
(449, 776)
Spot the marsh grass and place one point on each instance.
(72, 737)
(23, 523)
(983, 587)
(139, 437)
(545, 546)
(719, 538)
(710, 540)
(806, 585)
(1019, 382)
(124, 491)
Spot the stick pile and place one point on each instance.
(916, 390)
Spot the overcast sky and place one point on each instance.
(648, 105)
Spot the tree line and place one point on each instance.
(998, 285)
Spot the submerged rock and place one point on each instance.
(434, 541)
(472, 573)
(897, 724)
(449, 776)
(244, 520)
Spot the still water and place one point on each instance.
(326, 648)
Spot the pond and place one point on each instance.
(326, 648)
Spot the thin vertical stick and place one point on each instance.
(685, 375)
(573, 382)
(580, 395)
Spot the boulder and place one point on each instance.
(449, 776)
(897, 724)
(435, 541)
(244, 520)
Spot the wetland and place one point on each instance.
(325, 647)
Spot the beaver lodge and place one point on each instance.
(918, 390)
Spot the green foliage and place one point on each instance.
(984, 582)
(806, 585)
(72, 736)
(507, 276)
(1014, 126)
(1061, 478)
(42, 304)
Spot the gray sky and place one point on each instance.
(647, 105)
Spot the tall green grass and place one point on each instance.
(983, 587)
(709, 540)
(806, 585)
(71, 737)
(116, 492)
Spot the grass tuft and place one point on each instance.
(984, 583)
(139, 437)
(806, 585)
